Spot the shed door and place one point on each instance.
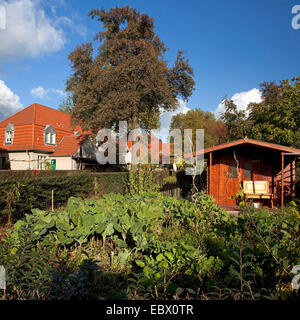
(229, 182)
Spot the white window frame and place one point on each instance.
(53, 139)
(41, 164)
(9, 134)
(49, 135)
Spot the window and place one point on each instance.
(50, 135)
(41, 162)
(248, 172)
(53, 138)
(9, 134)
(232, 170)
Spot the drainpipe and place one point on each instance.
(28, 154)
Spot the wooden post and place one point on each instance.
(293, 187)
(282, 180)
(207, 173)
(52, 202)
(210, 167)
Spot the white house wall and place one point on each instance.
(22, 160)
(65, 163)
(29, 161)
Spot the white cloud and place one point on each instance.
(74, 27)
(241, 100)
(42, 93)
(39, 92)
(29, 31)
(9, 102)
(166, 118)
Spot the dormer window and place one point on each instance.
(50, 135)
(9, 134)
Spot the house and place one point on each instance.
(250, 160)
(38, 136)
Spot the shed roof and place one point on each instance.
(273, 146)
(246, 141)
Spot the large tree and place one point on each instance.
(277, 118)
(215, 131)
(128, 78)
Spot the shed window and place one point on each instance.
(50, 135)
(9, 134)
(232, 170)
(248, 171)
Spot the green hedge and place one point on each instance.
(28, 190)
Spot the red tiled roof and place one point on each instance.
(42, 115)
(29, 124)
(69, 145)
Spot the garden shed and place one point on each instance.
(253, 164)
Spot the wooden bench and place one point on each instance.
(257, 190)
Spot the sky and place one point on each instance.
(233, 46)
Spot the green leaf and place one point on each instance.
(140, 263)
(160, 257)
(164, 264)
(121, 243)
(109, 230)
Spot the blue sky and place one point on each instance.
(232, 45)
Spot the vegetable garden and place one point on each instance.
(147, 246)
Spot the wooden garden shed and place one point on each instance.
(251, 160)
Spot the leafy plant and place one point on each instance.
(142, 180)
(147, 246)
